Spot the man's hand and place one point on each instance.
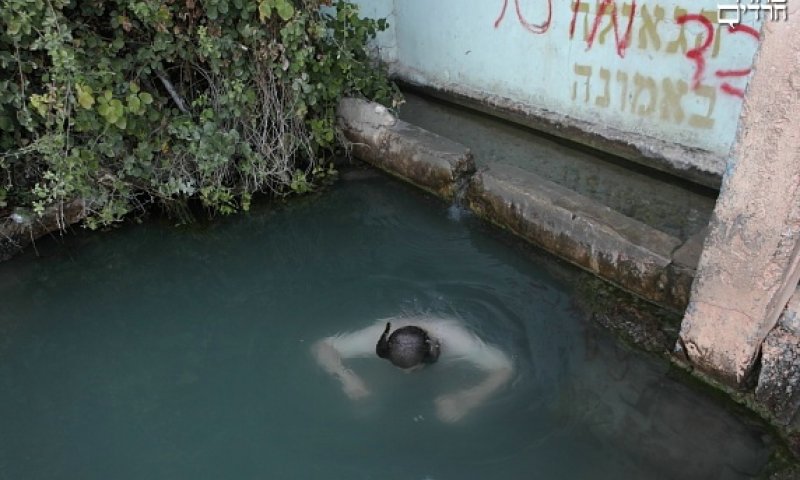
(452, 407)
(329, 359)
(354, 387)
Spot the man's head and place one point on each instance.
(407, 347)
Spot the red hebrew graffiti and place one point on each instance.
(727, 87)
(734, 73)
(745, 29)
(537, 28)
(604, 6)
(575, 7)
(697, 54)
(731, 90)
(502, 14)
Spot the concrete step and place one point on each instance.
(664, 202)
(625, 251)
(617, 248)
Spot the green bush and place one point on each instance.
(124, 102)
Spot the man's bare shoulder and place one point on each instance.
(358, 343)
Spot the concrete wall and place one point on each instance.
(750, 264)
(386, 44)
(662, 75)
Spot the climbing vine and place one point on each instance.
(124, 103)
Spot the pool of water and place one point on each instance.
(154, 352)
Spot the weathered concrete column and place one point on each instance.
(749, 265)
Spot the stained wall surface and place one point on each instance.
(657, 72)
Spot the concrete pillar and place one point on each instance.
(778, 386)
(749, 265)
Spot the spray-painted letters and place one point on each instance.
(652, 65)
(665, 99)
(531, 27)
(605, 8)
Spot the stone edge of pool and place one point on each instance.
(628, 253)
(20, 229)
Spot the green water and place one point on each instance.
(152, 352)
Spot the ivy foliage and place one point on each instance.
(128, 102)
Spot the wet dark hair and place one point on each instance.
(407, 346)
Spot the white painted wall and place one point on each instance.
(648, 89)
(386, 43)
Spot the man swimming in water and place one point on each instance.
(414, 343)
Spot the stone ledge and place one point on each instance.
(635, 256)
(571, 226)
(17, 231)
(688, 254)
(430, 161)
(682, 270)
(705, 168)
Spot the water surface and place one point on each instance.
(154, 352)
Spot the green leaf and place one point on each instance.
(146, 98)
(5, 123)
(40, 104)
(285, 9)
(85, 98)
(13, 28)
(134, 104)
(264, 10)
(211, 12)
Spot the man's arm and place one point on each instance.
(330, 351)
(330, 361)
(451, 407)
(464, 345)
